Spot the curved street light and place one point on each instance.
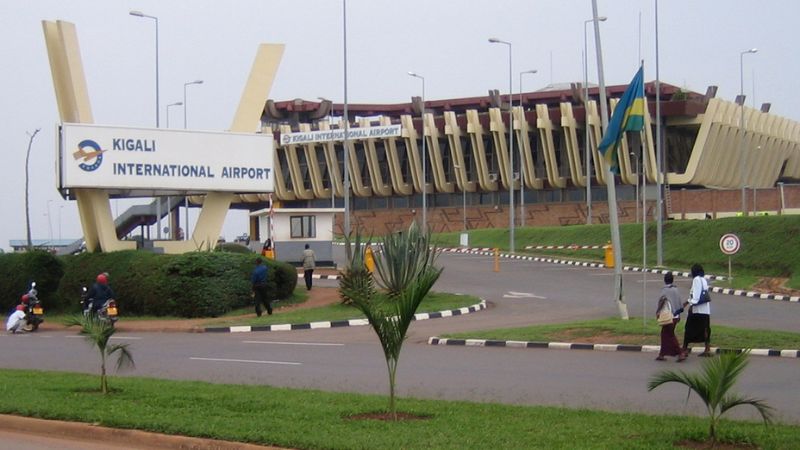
(424, 157)
(510, 146)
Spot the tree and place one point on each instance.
(713, 385)
(98, 332)
(27, 201)
(407, 257)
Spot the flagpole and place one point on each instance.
(659, 164)
(642, 137)
(619, 298)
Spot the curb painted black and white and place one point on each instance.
(719, 290)
(321, 277)
(598, 347)
(342, 323)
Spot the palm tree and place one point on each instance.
(390, 319)
(713, 385)
(98, 332)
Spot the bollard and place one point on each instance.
(496, 259)
(609, 255)
(369, 260)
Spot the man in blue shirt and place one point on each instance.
(259, 281)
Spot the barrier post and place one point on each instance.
(496, 259)
(609, 255)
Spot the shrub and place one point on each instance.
(198, 284)
(232, 247)
(17, 270)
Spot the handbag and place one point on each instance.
(664, 316)
(704, 297)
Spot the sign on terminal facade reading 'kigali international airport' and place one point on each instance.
(92, 156)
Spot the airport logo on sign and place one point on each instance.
(89, 154)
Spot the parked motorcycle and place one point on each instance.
(34, 311)
(108, 312)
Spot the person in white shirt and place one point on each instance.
(698, 321)
(16, 320)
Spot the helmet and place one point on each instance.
(25, 299)
(102, 278)
(20, 308)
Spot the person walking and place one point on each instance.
(309, 264)
(670, 298)
(698, 320)
(258, 279)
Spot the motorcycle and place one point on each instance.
(108, 312)
(33, 310)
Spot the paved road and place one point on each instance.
(350, 359)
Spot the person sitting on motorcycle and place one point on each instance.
(100, 292)
(16, 320)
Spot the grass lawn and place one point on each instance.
(770, 247)
(435, 301)
(618, 331)
(307, 419)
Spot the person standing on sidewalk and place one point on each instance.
(698, 320)
(309, 264)
(671, 298)
(258, 278)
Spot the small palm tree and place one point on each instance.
(390, 319)
(713, 385)
(98, 332)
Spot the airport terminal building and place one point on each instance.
(709, 146)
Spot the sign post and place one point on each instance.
(729, 244)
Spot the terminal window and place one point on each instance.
(303, 226)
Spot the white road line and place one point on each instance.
(320, 344)
(512, 294)
(282, 363)
(126, 338)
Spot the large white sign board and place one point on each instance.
(97, 156)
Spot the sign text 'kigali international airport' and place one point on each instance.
(96, 156)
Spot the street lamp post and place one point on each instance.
(186, 105)
(521, 160)
(510, 147)
(463, 195)
(168, 106)
(636, 163)
(330, 171)
(742, 166)
(141, 14)
(424, 158)
(587, 155)
(346, 119)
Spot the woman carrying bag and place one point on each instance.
(698, 322)
(668, 314)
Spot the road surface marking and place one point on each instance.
(283, 363)
(512, 294)
(321, 344)
(129, 338)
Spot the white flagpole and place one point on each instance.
(619, 297)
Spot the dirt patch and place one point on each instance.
(601, 337)
(774, 285)
(317, 296)
(387, 416)
(719, 445)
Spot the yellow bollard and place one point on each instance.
(369, 260)
(609, 255)
(497, 259)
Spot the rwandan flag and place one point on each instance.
(628, 116)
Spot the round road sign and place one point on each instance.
(729, 244)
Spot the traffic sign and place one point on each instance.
(729, 244)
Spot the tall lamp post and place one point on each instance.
(424, 157)
(510, 147)
(186, 105)
(587, 155)
(141, 14)
(330, 126)
(522, 161)
(742, 166)
(168, 106)
(463, 195)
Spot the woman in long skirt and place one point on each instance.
(698, 321)
(670, 298)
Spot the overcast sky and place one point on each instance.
(444, 40)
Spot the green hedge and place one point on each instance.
(18, 270)
(198, 284)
